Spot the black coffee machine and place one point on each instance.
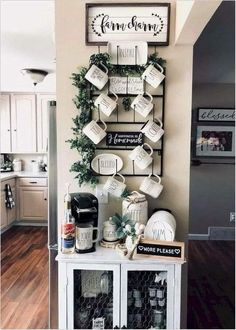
(84, 208)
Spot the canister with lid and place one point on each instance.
(136, 207)
(17, 165)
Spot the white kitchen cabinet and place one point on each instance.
(5, 123)
(33, 199)
(42, 121)
(8, 215)
(131, 296)
(23, 122)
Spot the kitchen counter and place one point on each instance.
(22, 174)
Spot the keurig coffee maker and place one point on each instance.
(84, 207)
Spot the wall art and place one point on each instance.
(215, 114)
(124, 139)
(215, 141)
(127, 21)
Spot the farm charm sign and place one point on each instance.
(141, 21)
(124, 139)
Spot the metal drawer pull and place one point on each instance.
(33, 182)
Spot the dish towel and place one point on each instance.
(9, 200)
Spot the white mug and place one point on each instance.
(114, 186)
(153, 129)
(142, 105)
(153, 76)
(106, 104)
(84, 236)
(94, 131)
(96, 76)
(141, 158)
(151, 187)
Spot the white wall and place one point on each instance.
(72, 53)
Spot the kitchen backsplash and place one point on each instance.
(27, 159)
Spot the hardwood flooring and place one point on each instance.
(24, 281)
(211, 285)
(24, 278)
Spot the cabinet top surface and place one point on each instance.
(109, 256)
(22, 174)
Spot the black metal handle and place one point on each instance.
(124, 327)
(33, 182)
(116, 327)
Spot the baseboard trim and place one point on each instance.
(28, 223)
(198, 237)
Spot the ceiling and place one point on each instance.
(27, 41)
(214, 51)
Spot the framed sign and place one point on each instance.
(215, 141)
(131, 139)
(127, 21)
(205, 114)
(160, 250)
(126, 85)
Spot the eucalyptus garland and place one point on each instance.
(85, 104)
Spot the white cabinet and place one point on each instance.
(42, 121)
(5, 123)
(120, 292)
(8, 215)
(33, 199)
(23, 122)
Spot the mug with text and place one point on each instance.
(141, 157)
(106, 104)
(153, 129)
(114, 186)
(94, 131)
(142, 105)
(84, 236)
(153, 76)
(151, 187)
(96, 76)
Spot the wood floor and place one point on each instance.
(24, 278)
(211, 289)
(24, 281)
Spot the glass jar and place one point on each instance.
(136, 207)
(158, 318)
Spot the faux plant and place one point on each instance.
(134, 230)
(121, 222)
(85, 105)
(126, 102)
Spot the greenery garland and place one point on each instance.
(85, 104)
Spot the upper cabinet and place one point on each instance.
(42, 121)
(24, 122)
(5, 138)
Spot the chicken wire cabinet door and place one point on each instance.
(93, 296)
(147, 296)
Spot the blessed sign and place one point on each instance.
(160, 249)
(216, 114)
(124, 138)
(126, 85)
(141, 21)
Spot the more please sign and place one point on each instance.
(141, 21)
(160, 249)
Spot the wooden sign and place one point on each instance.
(124, 138)
(126, 85)
(216, 114)
(127, 21)
(160, 250)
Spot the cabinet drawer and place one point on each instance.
(11, 182)
(42, 182)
